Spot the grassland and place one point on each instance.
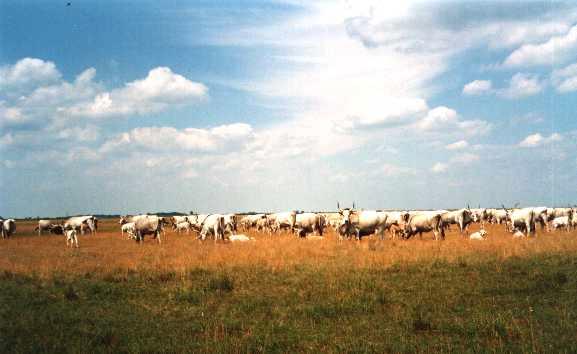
(280, 294)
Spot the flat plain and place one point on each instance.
(283, 294)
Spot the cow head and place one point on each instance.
(123, 220)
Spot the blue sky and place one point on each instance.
(134, 106)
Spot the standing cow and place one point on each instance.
(149, 225)
(8, 228)
(361, 223)
(425, 222)
(461, 217)
(309, 222)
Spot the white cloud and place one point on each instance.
(477, 87)
(458, 145)
(439, 167)
(556, 49)
(565, 80)
(390, 170)
(523, 85)
(465, 158)
(446, 120)
(154, 93)
(189, 139)
(27, 72)
(537, 139)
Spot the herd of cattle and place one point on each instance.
(348, 223)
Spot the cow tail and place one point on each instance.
(221, 227)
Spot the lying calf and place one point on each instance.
(479, 235)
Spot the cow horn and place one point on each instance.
(468, 207)
(338, 206)
(353, 205)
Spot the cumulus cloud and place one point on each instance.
(523, 85)
(188, 139)
(477, 87)
(160, 88)
(565, 80)
(556, 49)
(458, 145)
(27, 72)
(445, 119)
(439, 167)
(537, 139)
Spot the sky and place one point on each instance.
(234, 106)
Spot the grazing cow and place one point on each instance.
(240, 238)
(82, 223)
(178, 219)
(479, 235)
(425, 222)
(250, 221)
(212, 224)
(71, 239)
(149, 225)
(129, 229)
(309, 222)
(8, 228)
(362, 222)
(183, 226)
(553, 213)
(43, 225)
(461, 217)
(283, 221)
(562, 222)
(522, 218)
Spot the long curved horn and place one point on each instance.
(353, 205)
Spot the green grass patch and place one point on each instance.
(521, 305)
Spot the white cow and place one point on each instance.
(149, 225)
(43, 225)
(283, 221)
(71, 237)
(562, 222)
(309, 222)
(8, 228)
(183, 226)
(212, 224)
(523, 219)
(479, 235)
(82, 223)
(362, 222)
(129, 229)
(462, 218)
(425, 221)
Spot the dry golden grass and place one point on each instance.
(108, 252)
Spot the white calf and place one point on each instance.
(129, 229)
(479, 235)
(561, 222)
(71, 238)
(519, 234)
(183, 226)
(240, 238)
